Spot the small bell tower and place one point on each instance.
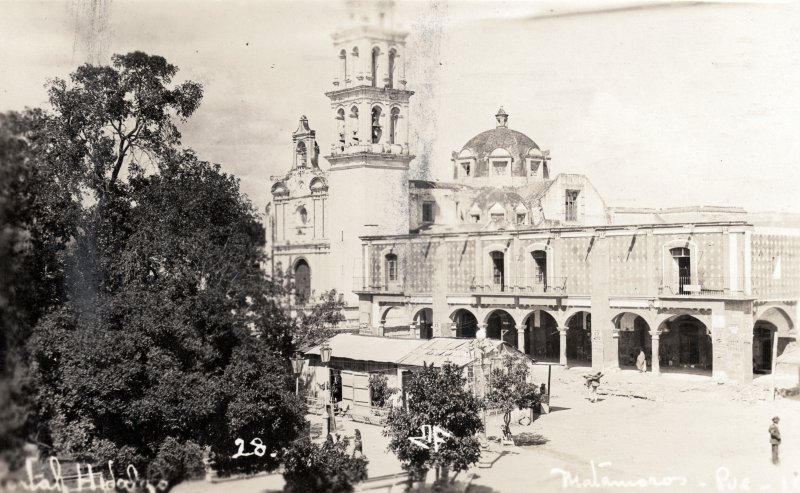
(306, 150)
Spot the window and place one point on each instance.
(391, 267)
(476, 218)
(497, 216)
(571, 210)
(539, 266)
(376, 125)
(343, 65)
(534, 166)
(521, 218)
(392, 55)
(427, 212)
(303, 214)
(393, 117)
(302, 155)
(500, 167)
(465, 165)
(498, 269)
(374, 66)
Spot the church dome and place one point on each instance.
(499, 141)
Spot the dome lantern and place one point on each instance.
(502, 118)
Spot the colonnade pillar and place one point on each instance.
(562, 345)
(656, 368)
(521, 337)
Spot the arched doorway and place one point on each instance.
(424, 321)
(634, 336)
(500, 324)
(685, 345)
(771, 324)
(394, 320)
(579, 339)
(466, 323)
(302, 282)
(544, 341)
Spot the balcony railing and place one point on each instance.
(520, 285)
(368, 284)
(702, 286)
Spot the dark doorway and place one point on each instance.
(762, 349)
(579, 339)
(302, 282)
(682, 260)
(498, 323)
(685, 344)
(545, 340)
(466, 324)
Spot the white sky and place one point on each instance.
(661, 105)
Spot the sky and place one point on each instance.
(659, 104)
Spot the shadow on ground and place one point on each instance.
(529, 439)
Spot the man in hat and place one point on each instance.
(775, 439)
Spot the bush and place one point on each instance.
(326, 468)
(381, 392)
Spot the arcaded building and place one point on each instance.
(514, 247)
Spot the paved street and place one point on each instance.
(688, 435)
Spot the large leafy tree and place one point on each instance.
(166, 336)
(437, 397)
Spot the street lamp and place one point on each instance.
(325, 355)
(297, 368)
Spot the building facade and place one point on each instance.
(513, 249)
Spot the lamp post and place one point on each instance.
(474, 349)
(297, 369)
(325, 355)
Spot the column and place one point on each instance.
(654, 353)
(614, 363)
(413, 330)
(521, 338)
(562, 345)
(454, 330)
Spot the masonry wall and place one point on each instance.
(775, 265)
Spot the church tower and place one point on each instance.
(369, 158)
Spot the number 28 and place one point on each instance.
(259, 448)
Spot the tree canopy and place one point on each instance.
(145, 320)
(437, 397)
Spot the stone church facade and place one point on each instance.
(511, 248)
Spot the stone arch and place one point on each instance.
(391, 67)
(280, 190)
(301, 271)
(375, 54)
(394, 316)
(423, 318)
(632, 334)
(377, 131)
(465, 322)
(685, 344)
(394, 117)
(500, 161)
(318, 185)
(542, 339)
(579, 338)
(354, 138)
(773, 331)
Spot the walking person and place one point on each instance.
(641, 361)
(357, 445)
(592, 382)
(775, 439)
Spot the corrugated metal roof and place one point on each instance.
(369, 348)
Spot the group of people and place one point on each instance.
(358, 445)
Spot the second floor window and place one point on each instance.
(571, 209)
(427, 212)
(391, 267)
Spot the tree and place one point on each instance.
(511, 390)
(381, 392)
(326, 468)
(168, 336)
(318, 324)
(437, 397)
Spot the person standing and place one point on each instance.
(358, 446)
(641, 361)
(775, 439)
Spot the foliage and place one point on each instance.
(318, 324)
(437, 397)
(37, 217)
(510, 388)
(326, 468)
(381, 392)
(161, 334)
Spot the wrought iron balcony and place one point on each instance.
(702, 286)
(520, 285)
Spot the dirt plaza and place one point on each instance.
(676, 432)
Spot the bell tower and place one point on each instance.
(369, 157)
